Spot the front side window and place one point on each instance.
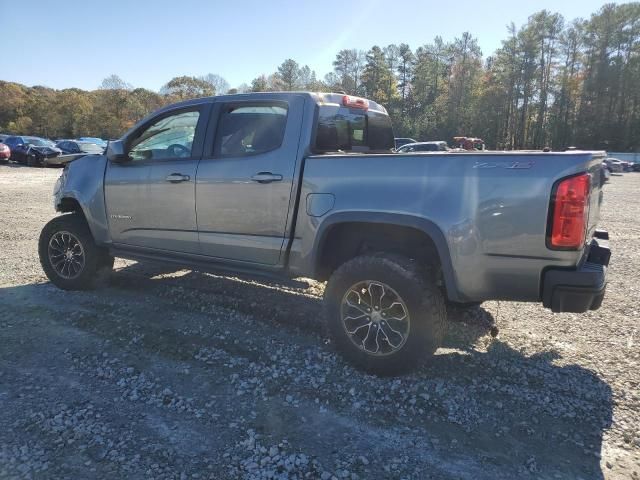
(250, 129)
(170, 137)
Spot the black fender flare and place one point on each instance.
(423, 225)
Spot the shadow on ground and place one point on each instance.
(471, 413)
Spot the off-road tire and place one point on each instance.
(463, 306)
(97, 260)
(417, 287)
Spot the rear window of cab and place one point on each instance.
(343, 129)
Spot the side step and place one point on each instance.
(207, 265)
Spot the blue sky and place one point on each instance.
(78, 43)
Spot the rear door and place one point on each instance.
(245, 182)
(151, 198)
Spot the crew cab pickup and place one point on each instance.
(307, 185)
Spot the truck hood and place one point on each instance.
(74, 157)
(45, 150)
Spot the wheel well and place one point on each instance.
(348, 240)
(70, 205)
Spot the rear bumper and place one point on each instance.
(581, 289)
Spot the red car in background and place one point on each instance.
(5, 152)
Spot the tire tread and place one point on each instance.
(431, 311)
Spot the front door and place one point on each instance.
(150, 199)
(245, 185)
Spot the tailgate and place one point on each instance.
(595, 199)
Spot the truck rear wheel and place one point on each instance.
(68, 254)
(385, 313)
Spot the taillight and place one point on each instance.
(355, 102)
(569, 213)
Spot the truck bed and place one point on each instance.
(491, 208)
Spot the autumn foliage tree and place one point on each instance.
(552, 82)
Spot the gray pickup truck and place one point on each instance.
(307, 185)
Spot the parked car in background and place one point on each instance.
(614, 165)
(626, 165)
(32, 151)
(72, 150)
(438, 146)
(79, 146)
(5, 153)
(3, 137)
(469, 143)
(96, 140)
(403, 141)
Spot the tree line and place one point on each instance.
(552, 83)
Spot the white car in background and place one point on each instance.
(614, 165)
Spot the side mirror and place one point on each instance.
(116, 153)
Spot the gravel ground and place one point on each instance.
(178, 374)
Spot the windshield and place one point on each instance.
(38, 142)
(88, 147)
(95, 140)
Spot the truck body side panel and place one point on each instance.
(491, 208)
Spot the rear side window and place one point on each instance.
(351, 129)
(428, 147)
(250, 129)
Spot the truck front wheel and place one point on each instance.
(68, 254)
(385, 313)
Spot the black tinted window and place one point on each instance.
(341, 128)
(428, 147)
(250, 129)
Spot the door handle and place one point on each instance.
(266, 177)
(177, 178)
